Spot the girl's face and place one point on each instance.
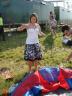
(33, 20)
(67, 33)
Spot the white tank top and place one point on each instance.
(32, 35)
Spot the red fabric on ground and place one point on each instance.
(67, 73)
(62, 80)
(26, 85)
(36, 79)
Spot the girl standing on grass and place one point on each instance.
(53, 24)
(32, 52)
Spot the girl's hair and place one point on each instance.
(34, 15)
(65, 27)
(51, 12)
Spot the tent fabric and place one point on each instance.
(43, 81)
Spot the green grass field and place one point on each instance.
(12, 54)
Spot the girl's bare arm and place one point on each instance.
(22, 27)
(40, 32)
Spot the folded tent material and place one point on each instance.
(43, 81)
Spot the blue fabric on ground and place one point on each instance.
(43, 76)
(35, 91)
(50, 74)
(69, 82)
(12, 88)
(29, 93)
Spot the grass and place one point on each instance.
(12, 54)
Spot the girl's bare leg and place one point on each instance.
(30, 65)
(54, 32)
(36, 62)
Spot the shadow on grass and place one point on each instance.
(48, 42)
(13, 40)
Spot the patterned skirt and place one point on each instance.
(32, 52)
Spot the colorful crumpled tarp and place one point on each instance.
(43, 81)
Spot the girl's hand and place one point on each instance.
(42, 34)
(20, 28)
